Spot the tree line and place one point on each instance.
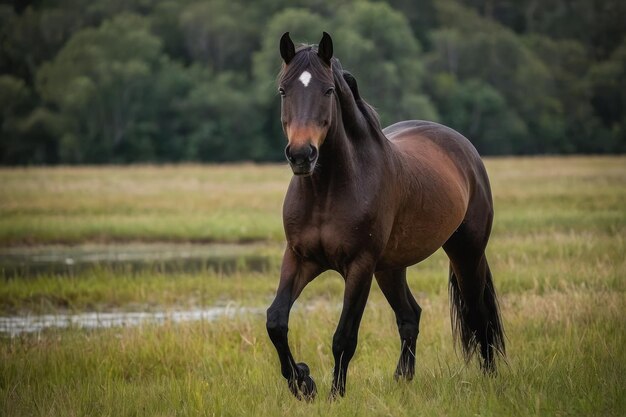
(120, 81)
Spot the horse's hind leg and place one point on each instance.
(475, 317)
(394, 286)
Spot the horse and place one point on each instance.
(369, 202)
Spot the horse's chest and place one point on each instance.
(330, 243)
(330, 233)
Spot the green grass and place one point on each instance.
(557, 255)
(147, 203)
(243, 202)
(566, 357)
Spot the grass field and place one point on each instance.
(557, 253)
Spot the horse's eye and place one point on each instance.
(329, 91)
(281, 91)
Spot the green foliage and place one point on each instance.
(97, 81)
(214, 36)
(608, 83)
(165, 80)
(480, 111)
(223, 119)
(483, 50)
(377, 43)
(599, 25)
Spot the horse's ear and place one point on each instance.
(287, 48)
(351, 81)
(325, 48)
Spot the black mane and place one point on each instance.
(368, 112)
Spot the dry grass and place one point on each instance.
(557, 255)
(243, 202)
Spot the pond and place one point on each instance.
(29, 261)
(15, 325)
(165, 257)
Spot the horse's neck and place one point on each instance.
(338, 159)
(347, 162)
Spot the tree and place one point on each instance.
(596, 24)
(172, 80)
(165, 24)
(98, 81)
(224, 120)
(421, 15)
(376, 44)
(484, 50)
(568, 65)
(32, 38)
(479, 112)
(214, 34)
(608, 84)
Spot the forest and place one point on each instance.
(123, 81)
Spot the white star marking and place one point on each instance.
(305, 78)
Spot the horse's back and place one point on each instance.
(410, 134)
(431, 143)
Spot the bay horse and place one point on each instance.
(366, 201)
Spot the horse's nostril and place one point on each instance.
(288, 153)
(301, 156)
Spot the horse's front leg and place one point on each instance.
(295, 274)
(358, 283)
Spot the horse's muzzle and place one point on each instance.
(302, 159)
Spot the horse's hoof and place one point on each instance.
(303, 369)
(335, 393)
(332, 396)
(308, 389)
(403, 375)
(404, 371)
(303, 387)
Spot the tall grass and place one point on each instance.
(566, 357)
(557, 256)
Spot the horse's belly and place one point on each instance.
(410, 247)
(432, 208)
(420, 230)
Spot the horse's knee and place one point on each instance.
(344, 346)
(276, 323)
(408, 323)
(409, 330)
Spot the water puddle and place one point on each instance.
(163, 257)
(16, 325)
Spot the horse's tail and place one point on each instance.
(477, 323)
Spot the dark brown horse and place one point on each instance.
(369, 202)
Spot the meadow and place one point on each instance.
(557, 253)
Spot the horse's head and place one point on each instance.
(306, 86)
